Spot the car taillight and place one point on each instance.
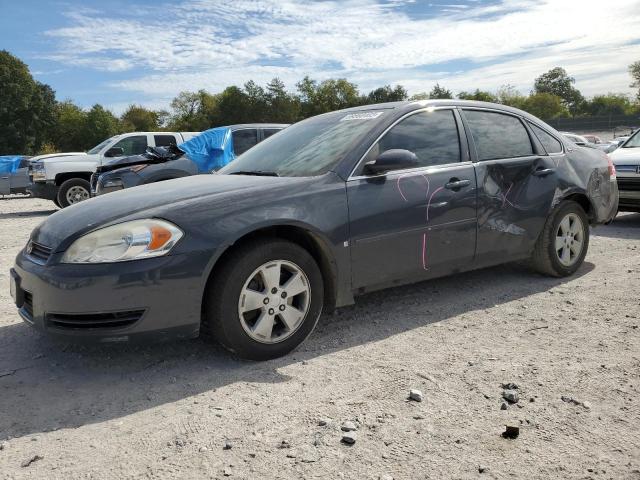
(612, 168)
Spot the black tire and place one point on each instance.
(545, 258)
(55, 201)
(221, 320)
(67, 185)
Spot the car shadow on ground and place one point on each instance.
(47, 386)
(625, 226)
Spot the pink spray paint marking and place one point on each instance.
(431, 198)
(424, 251)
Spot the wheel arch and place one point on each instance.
(581, 199)
(60, 178)
(313, 242)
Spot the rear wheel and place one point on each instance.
(264, 300)
(74, 190)
(563, 244)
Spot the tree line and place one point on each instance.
(33, 121)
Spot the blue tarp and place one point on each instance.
(211, 150)
(10, 163)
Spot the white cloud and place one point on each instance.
(211, 44)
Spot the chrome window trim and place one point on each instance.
(409, 114)
(418, 170)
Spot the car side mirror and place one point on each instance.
(114, 152)
(394, 159)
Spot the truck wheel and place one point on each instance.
(563, 243)
(264, 300)
(55, 201)
(72, 191)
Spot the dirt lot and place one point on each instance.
(167, 411)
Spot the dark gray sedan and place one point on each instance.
(334, 206)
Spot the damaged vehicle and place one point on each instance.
(332, 207)
(14, 174)
(211, 150)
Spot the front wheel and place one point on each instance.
(73, 191)
(563, 243)
(264, 300)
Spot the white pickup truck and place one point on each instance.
(64, 178)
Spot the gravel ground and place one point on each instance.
(167, 411)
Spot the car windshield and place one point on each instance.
(308, 148)
(633, 142)
(100, 146)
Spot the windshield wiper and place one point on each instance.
(259, 173)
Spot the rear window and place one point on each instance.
(243, 140)
(267, 132)
(550, 143)
(498, 135)
(164, 140)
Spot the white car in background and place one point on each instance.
(64, 177)
(626, 159)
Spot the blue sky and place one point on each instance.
(117, 52)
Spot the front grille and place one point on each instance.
(38, 251)
(629, 183)
(94, 320)
(27, 305)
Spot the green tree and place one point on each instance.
(139, 119)
(440, 92)
(233, 106)
(386, 94)
(419, 96)
(27, 108)
(610, 104)
(99, 125)
(69, 127)
(508, 95)
(634, 71)
(557, 82)
(256, 102)
(478, 95)
(283, 107)
(545, 105)
(329, 95)
(193, 111)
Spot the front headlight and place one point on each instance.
(125, 241)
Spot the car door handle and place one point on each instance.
(457, 184)
(543, 172)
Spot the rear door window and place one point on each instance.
(267, 132)
(498, 135)
(549, 142)
(432, 136)
(135, 145)
(164, 140)
(243, 140)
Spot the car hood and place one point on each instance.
(74, 157)
(64, 226)
(626, 156)
(56, 155)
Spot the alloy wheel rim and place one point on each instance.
(569, 240)
(274, 301)
(77, 194)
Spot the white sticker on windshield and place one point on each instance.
(361, 116)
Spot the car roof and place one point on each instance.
(257, 125)
(410, 105)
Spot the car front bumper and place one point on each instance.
(46, 190)
(152, 299)
(629, 193)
